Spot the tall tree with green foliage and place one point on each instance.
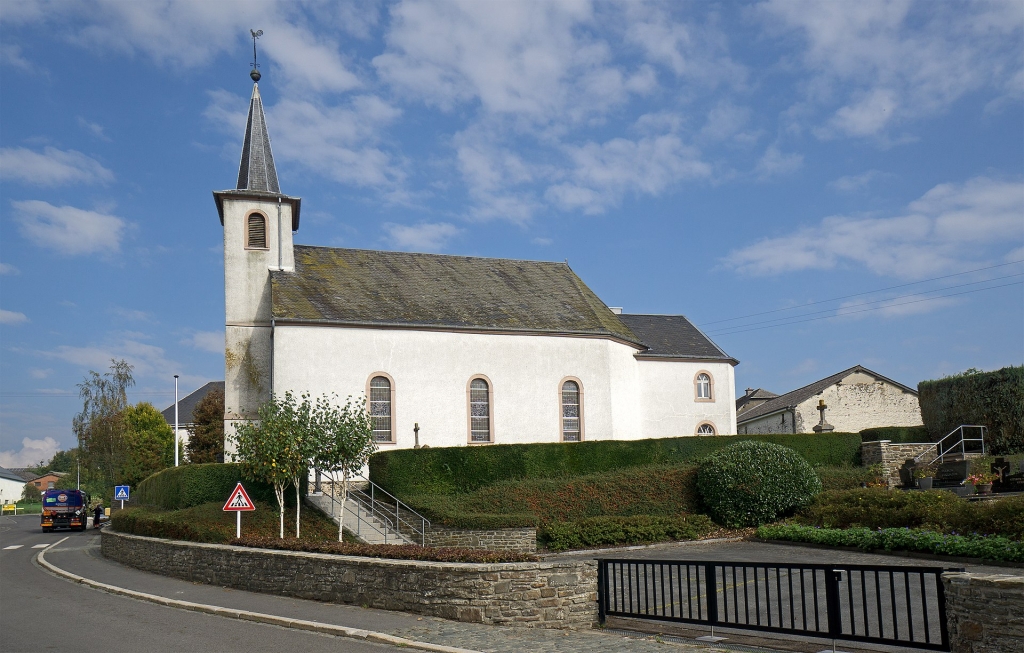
(100, 426)
(344, 441)
(206, 435)
(148, 441)
(273, 449)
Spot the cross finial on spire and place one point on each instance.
(255, 73)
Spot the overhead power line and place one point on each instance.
(740, 329)
(859, 294)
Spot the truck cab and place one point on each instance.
(65, 509)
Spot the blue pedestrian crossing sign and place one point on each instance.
(121, 492)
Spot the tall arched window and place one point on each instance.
(256, 231)
(480, 411)
(381, 399)
(707, 428)
(703, 387)
(572, 412)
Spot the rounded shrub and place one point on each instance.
(751, 483)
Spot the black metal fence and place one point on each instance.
(903, 606)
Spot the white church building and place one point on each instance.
(474, 351)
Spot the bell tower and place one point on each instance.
(258, 221)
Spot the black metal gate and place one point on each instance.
(904, 606)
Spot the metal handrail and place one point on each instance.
(938, 446)
(377, 503)
(360, 520)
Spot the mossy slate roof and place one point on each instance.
(374, 288)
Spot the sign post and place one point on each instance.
(238, 503)
(121, 493)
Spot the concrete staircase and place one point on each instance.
(357, 521)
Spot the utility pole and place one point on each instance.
(175, 420)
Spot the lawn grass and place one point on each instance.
(26, 508)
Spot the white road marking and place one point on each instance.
(13, 546)
(40, 546)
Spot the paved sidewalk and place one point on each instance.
(83, 558)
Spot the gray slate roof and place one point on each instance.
(187, 404)
(760, 395)
(673, 336)
(791, 399)
(257, 172)
(359, 287)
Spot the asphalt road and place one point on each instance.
(40, 612)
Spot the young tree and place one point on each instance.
(31, 493)
(206, 435)
(148, 441)
(344, 441)
(100, 427)
(272, 449)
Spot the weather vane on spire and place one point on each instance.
(255, 73)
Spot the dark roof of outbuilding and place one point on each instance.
(358, 287)
(791, 399)
(673, 336)
(759, 395)
(188, 403)
(14, 476)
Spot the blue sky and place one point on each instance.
(852, 171)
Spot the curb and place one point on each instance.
(246, 615)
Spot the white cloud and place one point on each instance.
(425, 236)
(7, 268)
(131, 314)
(40, 373)
(145, 359)
(307, 60)
(895, 307)
(52, 167)
(95, 129)
(12, 317)
(948, 228)
(878, 64)
(11, 58)
(211, 341)
(775, 163)
(31, 452)
(602, 173)
(850, 183)
(69, 230)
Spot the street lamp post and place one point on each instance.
(175, 420)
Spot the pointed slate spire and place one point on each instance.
(257, 171)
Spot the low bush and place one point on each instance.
(655, 490)
(209, 523)
(458, 470)
(990, 547)
(397, 552)
(848, 478)
(936, 510)
(750, 483)
(896, 434)
(596, 531)
(192, 485)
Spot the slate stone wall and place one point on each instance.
(985, 612)
(532, 594)
(500, 539)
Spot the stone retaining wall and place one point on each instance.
(985, 612)
(534, 594)
(890, 456)
(499, 539)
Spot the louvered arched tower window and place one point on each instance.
(256, 231)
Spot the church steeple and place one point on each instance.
(257, 172)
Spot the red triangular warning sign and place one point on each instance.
(239, 500)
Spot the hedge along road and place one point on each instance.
(43, 612)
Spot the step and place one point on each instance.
(369, 531)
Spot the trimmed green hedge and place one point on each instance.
(596, 531)
(653, 490)
(456, 470)
(849, 478)
(993, 399)
(991, 547)
(936, 510)
(751, 483)
(896, 434)
(192, 485)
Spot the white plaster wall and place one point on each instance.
(10, 491)
(669, 403)
(860, 402)
(431, 371)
